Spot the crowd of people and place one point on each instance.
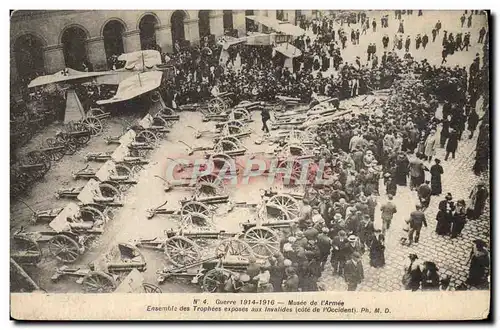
(396, 144)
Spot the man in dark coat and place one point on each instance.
(407, 43)
(472, 122)
(452, 144)
(265, 117)
(482, 32)
(338, 258)
(417, 219)
(434, 35)
(424, 194)
(353, 272)
(436, 172)
(425, 40)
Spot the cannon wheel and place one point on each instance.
(240, 114)
(54, 155)
(24, 249)
(294, 149)
(215, 279)
(210, 184)
(195, 207)
(155, 96)
(216, 106)
(195, 219)
(69, 143)
(64, 248)
(295, 173)
(232, 127)
(37, 157)
(94, 213)
(93, 124)
(108, 190)
(80, 126)
(234, 247)
(123, 170)
(181, 251)
(159, 121)
(225, 145)
(98, 282)
(147, 136)
(286, 204)
(150, 288)
(263, 241)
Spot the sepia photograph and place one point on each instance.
(273, 162)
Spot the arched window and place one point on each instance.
(204, 23)
(113, 38)
(228, 20)
(28, 51)
(177, 22)
(147, 29)
(74, 41)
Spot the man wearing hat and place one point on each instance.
(388, 210)
(353, 272)
(424, 194)
(324, 243)
(417, 219)
(478, 197)
(291, 283)
(338, 258)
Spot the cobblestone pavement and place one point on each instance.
(450, 255)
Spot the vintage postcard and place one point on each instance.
(249, 165)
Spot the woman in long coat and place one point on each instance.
(430, 146)
(377, 249)
(436, 172)
(442, 223)
(479, 265)
(458, 219)
(402, 170)
(478, 197)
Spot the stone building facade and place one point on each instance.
(48, 41)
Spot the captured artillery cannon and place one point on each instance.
(219, 104)
(227, 145)
(71, 231)
(55, 150)
(181, 249)
(123, 154)
(239, 114)
(34, 165)
(94, 192)
(118, 271)
(276, 212)
(74, 132)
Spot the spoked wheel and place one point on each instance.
(225, 146)
(98, 282)
(108, 190)
(84, 137)
(287, 207)
(220, 159)
(216, 106)
(89, 213)
(195, 219)
(69, 144)
(240, 114)
(292, 171)
(294, 149)
(25, 250)
(209, 185)
(263, 241)
(159, 121)
(233, 127)
(40, 159)
(64, 248)
(195, 207)
(215, 280)
(150, 288)
(146, 136)
(181, 251)
(93, 124)
(56, 154)
(234, 247)
(123, 170)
